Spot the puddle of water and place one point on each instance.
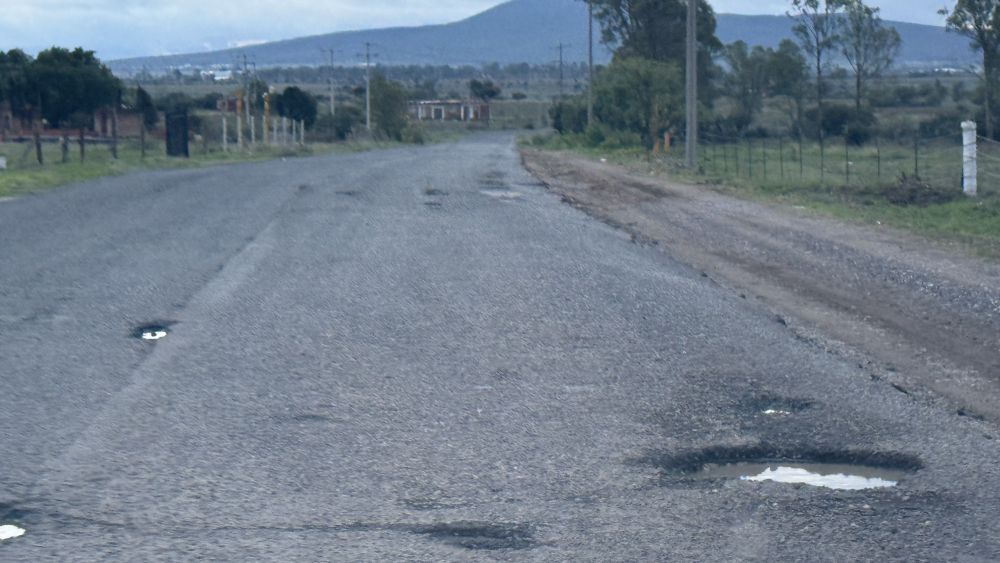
(9, 532)
(829, 476)
(154, 335)
(502, 194)
(777, 412)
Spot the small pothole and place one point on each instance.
(9, 532)
(839, 470)
(501, 194)
(152, 332)
(480, 536)
(777, 406)
(434, 192)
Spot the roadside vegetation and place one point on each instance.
(821, 122)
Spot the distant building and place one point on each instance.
(450, 110)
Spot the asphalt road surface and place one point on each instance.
(420, 354)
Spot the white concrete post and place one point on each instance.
(253, 131)
(274, 128)
(239, 131)
(225, 133)
(284, 131)
(970, 167)
(302, 133)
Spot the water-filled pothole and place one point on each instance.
(841, 470)
(480, 536)
(825, 475)
(9, 532)
(501, 194)
(153, 331)
(777, 406)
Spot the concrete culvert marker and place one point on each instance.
(838, 470)
(9, 532)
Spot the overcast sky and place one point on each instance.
(124, 28)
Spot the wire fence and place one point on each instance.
(784, 163)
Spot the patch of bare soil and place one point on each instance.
(922, 315)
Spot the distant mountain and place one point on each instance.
(518, 31)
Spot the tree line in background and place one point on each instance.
(639, 96)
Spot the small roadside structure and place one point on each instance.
(450, 110)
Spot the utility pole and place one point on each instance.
(691, 152)
(590, 63)
(368, 86)
(333, 90)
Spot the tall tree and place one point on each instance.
(746, 80)
(18, 85)
(388, 106)
(639, 95)
(868, 45)
(657, 30)
(298, 105)
(979, 20)
(816, 23)
(788, 76)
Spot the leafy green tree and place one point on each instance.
(17, 85)
(146, 108)
(979, 20)
(640, 96)
(816, 25)
(868, 45)
(388, 107)
(298, 105)
(746, 80)
(485, 90)
(73, 82)
(657, 30)
(788, 76)
(72, 86)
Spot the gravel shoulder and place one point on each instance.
(924, 316)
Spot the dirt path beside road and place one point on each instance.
(924, 316)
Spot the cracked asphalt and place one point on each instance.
(421, 354)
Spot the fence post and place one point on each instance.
(763, 152)
(750, 158)
(970, 172)
(802, 160)
(225, 133)
(781, 156)
(878, 159)
(847, 160)
(916, 157)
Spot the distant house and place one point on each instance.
(450, 110)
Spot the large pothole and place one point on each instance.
(9, 532)
(839, 470)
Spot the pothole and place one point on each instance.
(501, 194)
(9, 532)
(152, 332)
(824, 475)
(480, 536)
(434, 192)
(839, 470)
(776, 406)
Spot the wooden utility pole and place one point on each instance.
(368, 87)
(692, 85)
(330, 80)
(561, 74)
